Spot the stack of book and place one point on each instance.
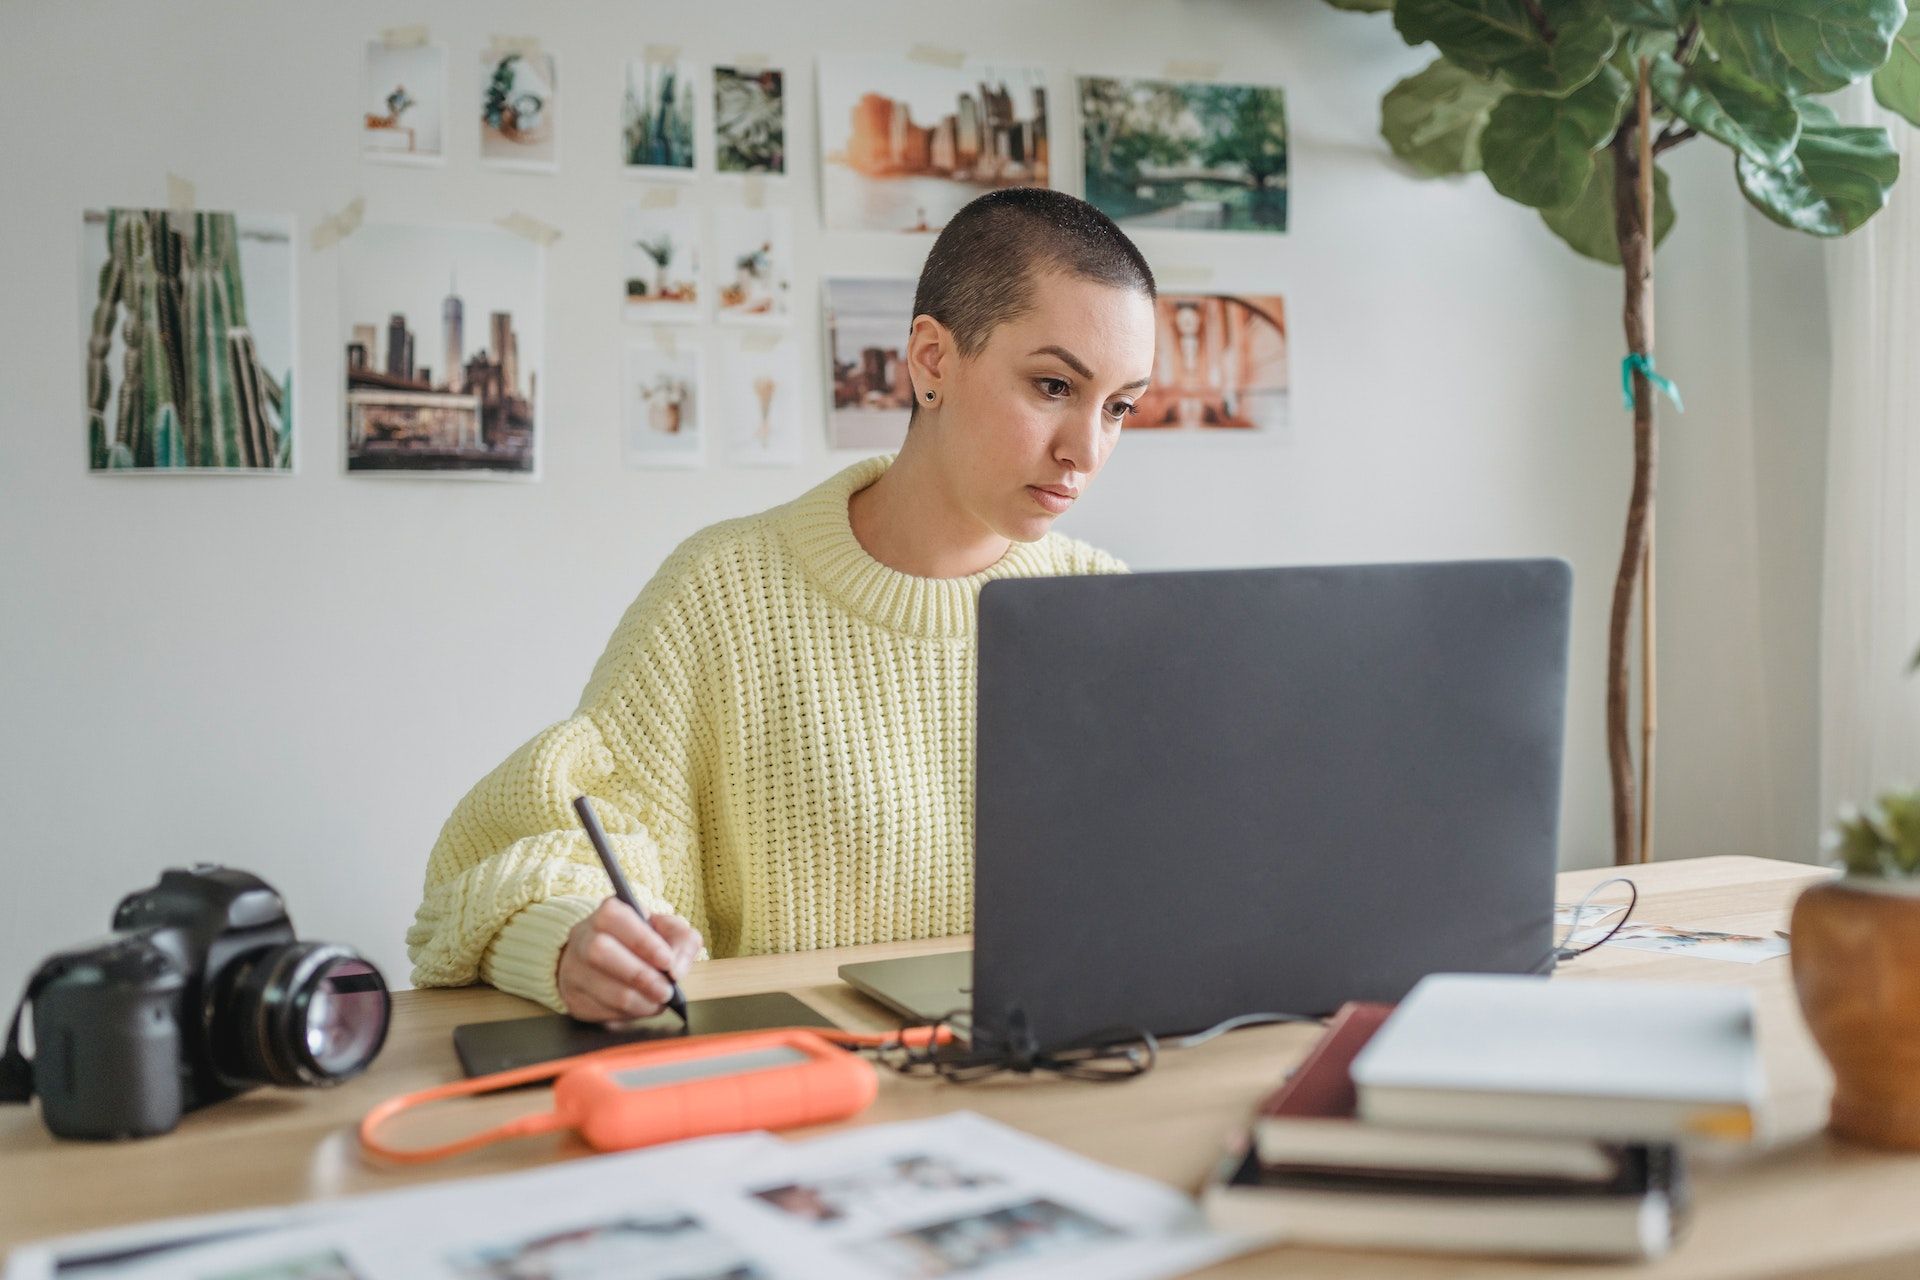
(1495, 1114)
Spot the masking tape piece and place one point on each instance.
(404, 37)
(1185, 274)
(659, 197)
(751, 64)
(662, 53)
(1192, 69)
(666, 341)
(500, 46)
(532, 228)
(753, 189)
(332, 230)
(179, 194)
(936, 55)
(759, 341)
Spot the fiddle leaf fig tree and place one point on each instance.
(1565, 106)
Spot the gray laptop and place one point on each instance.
(1200, 795)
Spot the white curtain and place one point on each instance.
(1870, 623)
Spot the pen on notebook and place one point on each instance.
(621, 889)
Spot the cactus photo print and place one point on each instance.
(189, 349)
(656, 118)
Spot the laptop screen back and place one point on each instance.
(1206, 794)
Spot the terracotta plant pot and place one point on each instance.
(1856, 966)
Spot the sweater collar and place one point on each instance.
(820, 531)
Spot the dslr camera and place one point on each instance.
(201, 993)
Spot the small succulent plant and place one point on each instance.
(1882, 840)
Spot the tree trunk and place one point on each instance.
(1634, 233)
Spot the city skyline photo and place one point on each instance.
(867, 322)
(443, 342)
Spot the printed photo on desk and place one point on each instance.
(320, 1264)
(904, 144)
(1220, 363)
(1701, 944)
(867, 324)
(868, 1195)
(286, 1254)
(189, 345)
(666, 1242)
(1033, 1231)
(404, 101)
(519, 110)
(660, 252)
(443, 340)
(1575, 915)
(961, 1195)
(657, 118)
(1185, 156)
(955, 1195)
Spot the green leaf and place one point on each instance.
(1837, 177)
(1635, 45)
(1587, 223)
(1803, 46)
(1498, 37)
(1896, 86)
(1654, 15)
(1433, 119)
(1754, 119)
(1362, 6)
(1536, 149)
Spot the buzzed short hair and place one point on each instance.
(983, 267)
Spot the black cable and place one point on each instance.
(1563, 952)
(1122, 1053)
(1100, 1057)
(1244, 1020)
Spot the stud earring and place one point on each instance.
(929, 397)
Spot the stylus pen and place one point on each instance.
(621, 889)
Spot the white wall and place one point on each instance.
(1792, 368)
(301, 675)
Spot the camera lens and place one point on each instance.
(308, 1013)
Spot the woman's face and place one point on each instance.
(1024, 424)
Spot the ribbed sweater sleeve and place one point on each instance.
(779, 738)
(512, 872)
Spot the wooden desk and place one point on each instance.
(1809, 1206)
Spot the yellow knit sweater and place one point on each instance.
(779, 741)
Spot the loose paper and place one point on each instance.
(949, 1196)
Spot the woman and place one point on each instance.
(779, 736)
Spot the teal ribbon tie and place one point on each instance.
(1644, 363)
